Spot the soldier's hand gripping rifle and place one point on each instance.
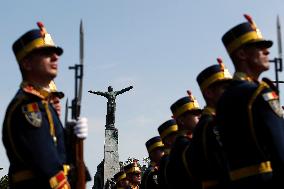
(77, 143)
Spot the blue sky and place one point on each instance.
(158, 46)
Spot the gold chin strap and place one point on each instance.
(209, 111)
(242, 76)
(35, 90)
(167, 151)
(182, 132)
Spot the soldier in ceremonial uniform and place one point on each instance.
(55, 98)
(155, 148)
(32, 132)
(205, 155)
(168, 132)
(186, 112)
(133, 175)
(121, 181)
(249, 116)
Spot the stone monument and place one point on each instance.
(111, 158)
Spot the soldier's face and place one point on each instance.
(55, 101)
(136, 178)
(215, 91)
(257, 58)
(157, 154)
(169, 140)
(190, 119)
(43, 64)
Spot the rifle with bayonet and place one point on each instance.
(278, 60)
(77, 144)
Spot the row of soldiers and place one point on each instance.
(129, 177)
(237, 140)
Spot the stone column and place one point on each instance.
(111, 158)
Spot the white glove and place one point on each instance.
(81, 128)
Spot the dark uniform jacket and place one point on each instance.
(150, 178)
(34, 139)
(179, 176)
(162, 172)
(205, 155)
(251, 126)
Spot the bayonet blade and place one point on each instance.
(279, 38)
(81, 67)
(81, 43)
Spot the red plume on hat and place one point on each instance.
(42, 28)
(220, 62)
(190, 95)
(250, 20)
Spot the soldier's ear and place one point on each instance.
(26, 65)
(180, 121)
(208, 94)
(241, 54)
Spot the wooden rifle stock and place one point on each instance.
(80, 166)
(78, 145)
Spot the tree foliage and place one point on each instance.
(4, 182)
(143, 166)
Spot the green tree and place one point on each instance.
(4, 182)
(143, 166)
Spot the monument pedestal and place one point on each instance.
(111, 157)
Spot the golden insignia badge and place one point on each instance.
(275, 105)
(32, 114)
(273, 100)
